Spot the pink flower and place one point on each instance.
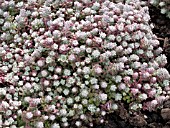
(28, 85)
(1, 79)
(167, 88)
(135, 75)
(41, 62)
(144, 75)
(44, 73)
(120, 27)
(63, 48)
(34, 73)
(11, 89)
(150, 70)
(153, 80)
(46, 82)
(55, 77)
(150, 105)
(37, 113)
(160, 99)
(154, 103)
(134, 91)
(122, 86)
(138, 86)
(1, 107)
(126, 79)
(97, 69)
(72, 57)
(152, 93)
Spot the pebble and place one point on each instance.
(138, 121)
(165, 113)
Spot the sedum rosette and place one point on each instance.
(64, 60)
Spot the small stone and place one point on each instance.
(165, 113)
(167, 104)
(155, 125)
(138, 121)
(166, 126)
(122, 112)
(168, 123)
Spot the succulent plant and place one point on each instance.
(63, 61)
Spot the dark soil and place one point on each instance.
(161, 117)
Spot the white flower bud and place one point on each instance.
(29, 115)
(39, 125)
(103, 97)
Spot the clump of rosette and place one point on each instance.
(64, 62)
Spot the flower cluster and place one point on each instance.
(164, 6)
(63, 61)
